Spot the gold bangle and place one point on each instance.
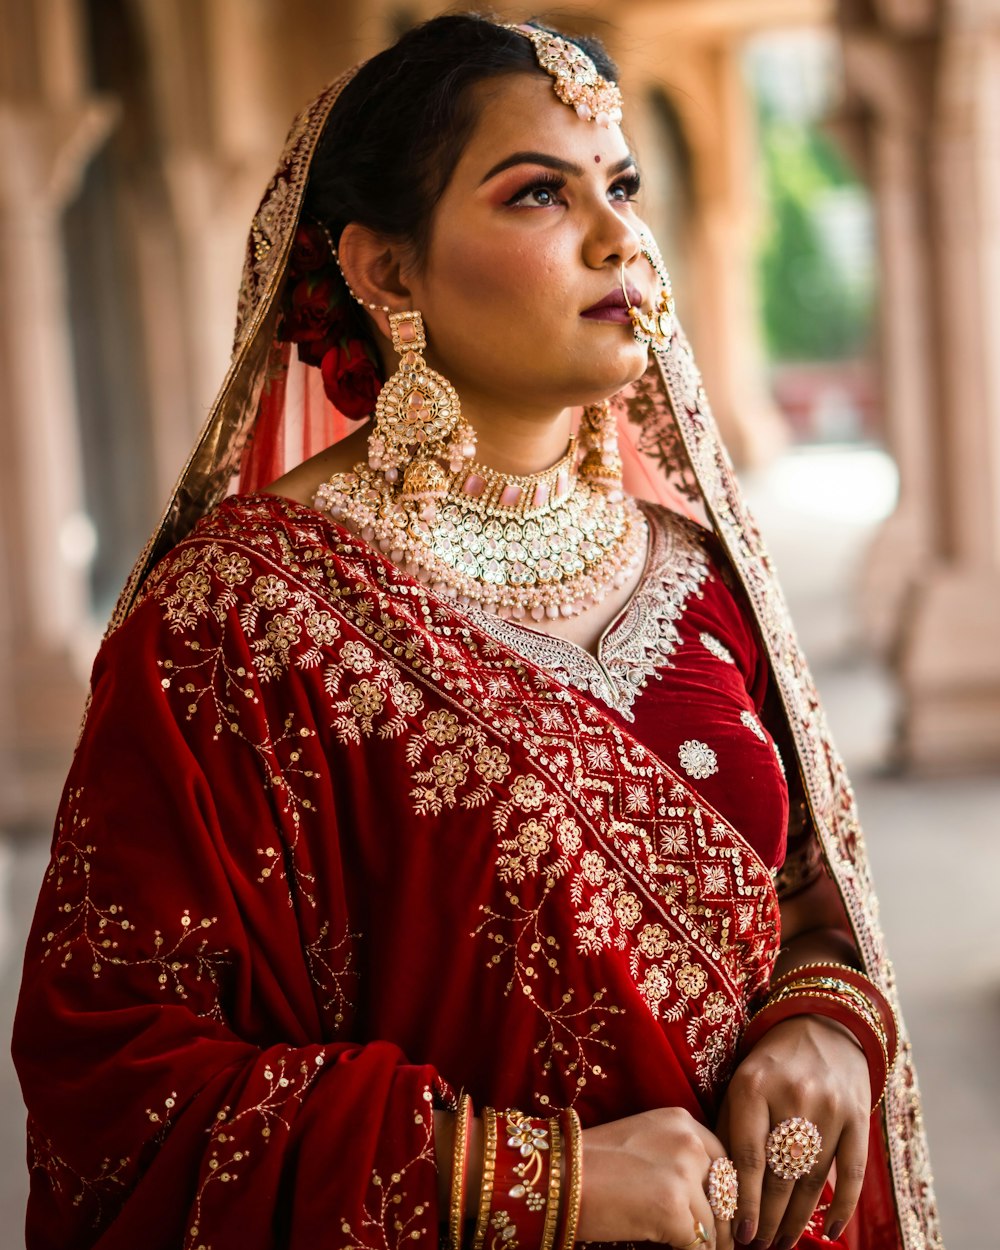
(489, 1169)
(460, 1152)
(816, 964)
(829, 987)
(573, 1155)
(555, 1180)
(879, 1001)
(857, 1004)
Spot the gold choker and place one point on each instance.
(542, 545)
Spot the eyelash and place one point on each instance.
(553, 182)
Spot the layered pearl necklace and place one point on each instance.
(543, 545)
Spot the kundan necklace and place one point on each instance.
(541, 545)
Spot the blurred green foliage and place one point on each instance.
(814, 307)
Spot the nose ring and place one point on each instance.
(656, 327)
(628, 302)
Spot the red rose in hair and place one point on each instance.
(350, 379)
(312, 350)
(313, 310)
(310, 249)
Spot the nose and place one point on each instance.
(612, 240)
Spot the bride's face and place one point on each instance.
(529, 235)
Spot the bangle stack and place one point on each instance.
(839, 993)
(532, 1181)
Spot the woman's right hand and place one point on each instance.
(645, 1179)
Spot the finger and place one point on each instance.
(852, 1160)
(722, 1124)
(775, 1196)
(724, 1234)
(702, 1212)
(701, 1218)
(748, 1125)
(805, 1195)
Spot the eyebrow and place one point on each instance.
(552, 162)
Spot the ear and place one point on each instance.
(373, 270)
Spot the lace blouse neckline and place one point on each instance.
(639, 640)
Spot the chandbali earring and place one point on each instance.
(601, 462)
(418, 417)
(656, 327)
(418, 420)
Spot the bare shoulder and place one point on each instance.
(302, 482)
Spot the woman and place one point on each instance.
(441, 777)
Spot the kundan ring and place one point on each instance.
(723, 1188)
(700, 1237)
(793, 1146)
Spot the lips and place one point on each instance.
(613, 307)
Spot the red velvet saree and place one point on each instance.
(327, 853)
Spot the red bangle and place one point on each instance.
(844, 972)
(524, 1160)
(817, 1003)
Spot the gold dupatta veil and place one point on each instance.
(673, 453)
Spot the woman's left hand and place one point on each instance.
(811, 1067)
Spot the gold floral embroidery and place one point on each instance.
(359, 701)
(93, 928)
(108, 1186)
(391, 1217)
(718, 649)
(331, 970)
(286, 1082)
(698, 759)
(570, 1031)
(468, 757)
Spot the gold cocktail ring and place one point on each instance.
(700, 1237)
(723, 1188)
(793, 1146)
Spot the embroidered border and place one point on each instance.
(831, 799)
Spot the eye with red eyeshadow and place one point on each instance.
(549, 186)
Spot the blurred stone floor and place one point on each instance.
(934, 846)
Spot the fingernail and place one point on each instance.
(784, 1243)
(744, 1232)
(834, 1231)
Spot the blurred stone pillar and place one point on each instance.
(886, 126)
(698, 63)
(933, 121)
(48, 131)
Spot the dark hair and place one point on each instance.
(396, 134)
